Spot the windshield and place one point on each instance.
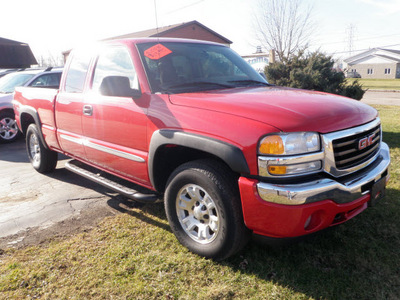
(189, 67)
(9, 82)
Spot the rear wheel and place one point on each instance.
(8, 127)
(204, 211)
(42, 159)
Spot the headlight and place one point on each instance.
(290, 154)
(290, 143)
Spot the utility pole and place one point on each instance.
(350, 38)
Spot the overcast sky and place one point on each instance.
(52, 26)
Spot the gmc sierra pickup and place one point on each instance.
(191, 122)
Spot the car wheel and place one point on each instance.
(8, 127)
(42, 159)
(203, 208)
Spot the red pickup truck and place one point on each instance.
(192, 123)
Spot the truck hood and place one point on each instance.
(283, 108)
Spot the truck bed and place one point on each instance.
(40, 102)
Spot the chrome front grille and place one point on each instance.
(350, 150)
(354, 150)
(342, 152)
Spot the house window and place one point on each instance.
(370, 71)
(387, 71)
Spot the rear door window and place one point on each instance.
(77, 71)
(114, 61)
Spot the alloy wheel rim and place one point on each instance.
(198, 214)
(34, 148)
(8, 128)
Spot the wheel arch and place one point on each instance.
(28, 116)
(171, 148)
(7, 109)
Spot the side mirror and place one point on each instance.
(118, 86)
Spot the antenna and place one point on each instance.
(158, 34)
(156, 15)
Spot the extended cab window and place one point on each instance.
(77, 71)
(114, 61)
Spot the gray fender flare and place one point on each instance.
(230, 154)
(34, 114)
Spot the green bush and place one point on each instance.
(313, 71)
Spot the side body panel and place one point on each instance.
(68, 114)
(237, 131)
(69, 106)
(39, 105)
(115, 135)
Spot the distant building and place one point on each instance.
(190, 30)
(260, 59)
(374, 63)
(15, 54)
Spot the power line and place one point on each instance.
(386, 46)
(361, 39)
(184, 7)
(377, 36)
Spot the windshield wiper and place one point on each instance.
(248, 82)
(198, 83)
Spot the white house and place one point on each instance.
(260, 60)
(375, 63)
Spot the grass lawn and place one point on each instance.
(135, 256)
(377, 84)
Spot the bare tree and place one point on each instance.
(284, 26)
(50, 60)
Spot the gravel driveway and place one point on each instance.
(381, 97)
(34, 207)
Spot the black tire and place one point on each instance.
(42, 159)
(9, 131)
(209, 221)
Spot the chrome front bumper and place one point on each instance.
(352, 188)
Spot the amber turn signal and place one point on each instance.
(277, 170)
(272, 144)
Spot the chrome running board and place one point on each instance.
(96, 176)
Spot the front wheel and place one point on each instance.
(41, 158)
(204, 211)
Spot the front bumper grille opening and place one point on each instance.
(345, 216)
(339, 218)
(354, 150)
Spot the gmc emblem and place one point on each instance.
(365, 142)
